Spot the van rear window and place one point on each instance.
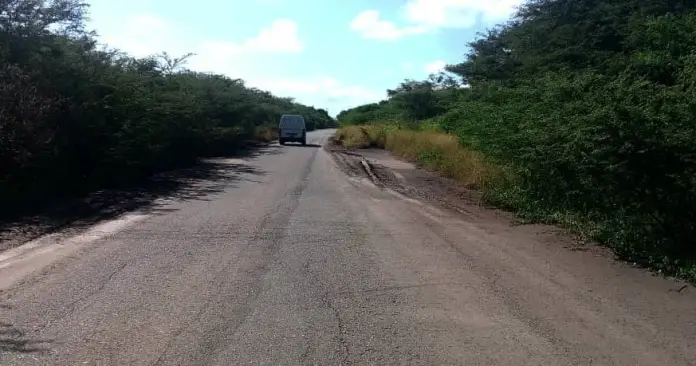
(294, 122)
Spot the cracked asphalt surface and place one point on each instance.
(293, 262)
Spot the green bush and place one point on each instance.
(74, 117)
(588, 106)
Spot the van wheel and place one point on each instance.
(282, 142)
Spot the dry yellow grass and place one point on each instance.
(360, 137)
(266, 133)
(435, 151)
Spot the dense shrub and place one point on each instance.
(590, 104)
(74, 116)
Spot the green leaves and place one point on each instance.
(591, 105)
(79, 117)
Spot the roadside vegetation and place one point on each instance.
(75, 116)
(574, 112)
(432, 150)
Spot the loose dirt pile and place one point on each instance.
(409, 180)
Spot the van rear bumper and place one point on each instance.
(292, 137)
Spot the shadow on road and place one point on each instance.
(199, 182)
(15, 340)
(300, 145)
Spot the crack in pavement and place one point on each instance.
(274, 222)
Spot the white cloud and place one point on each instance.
(424, 16)
(370, 26)
(321, 86)
(144, 35)
(407, 66)
(281, 36)
(320, 91)
(223, 56)
(458, 13)
(435, 67)
(140, 36)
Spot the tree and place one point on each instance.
(170, 65)
(587, 104)
(83, 117)
(40, 16)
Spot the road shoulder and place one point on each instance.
(74, 215)
(406, 179)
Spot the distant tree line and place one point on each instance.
(74, 115)
(592, 105)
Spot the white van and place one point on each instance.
(292, 129)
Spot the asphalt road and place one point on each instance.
(284, 260)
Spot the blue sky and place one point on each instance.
(331, 54)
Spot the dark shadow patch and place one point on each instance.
(198, 182)
(13, 340)
(288, 144)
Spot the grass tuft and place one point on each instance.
(435, 151)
